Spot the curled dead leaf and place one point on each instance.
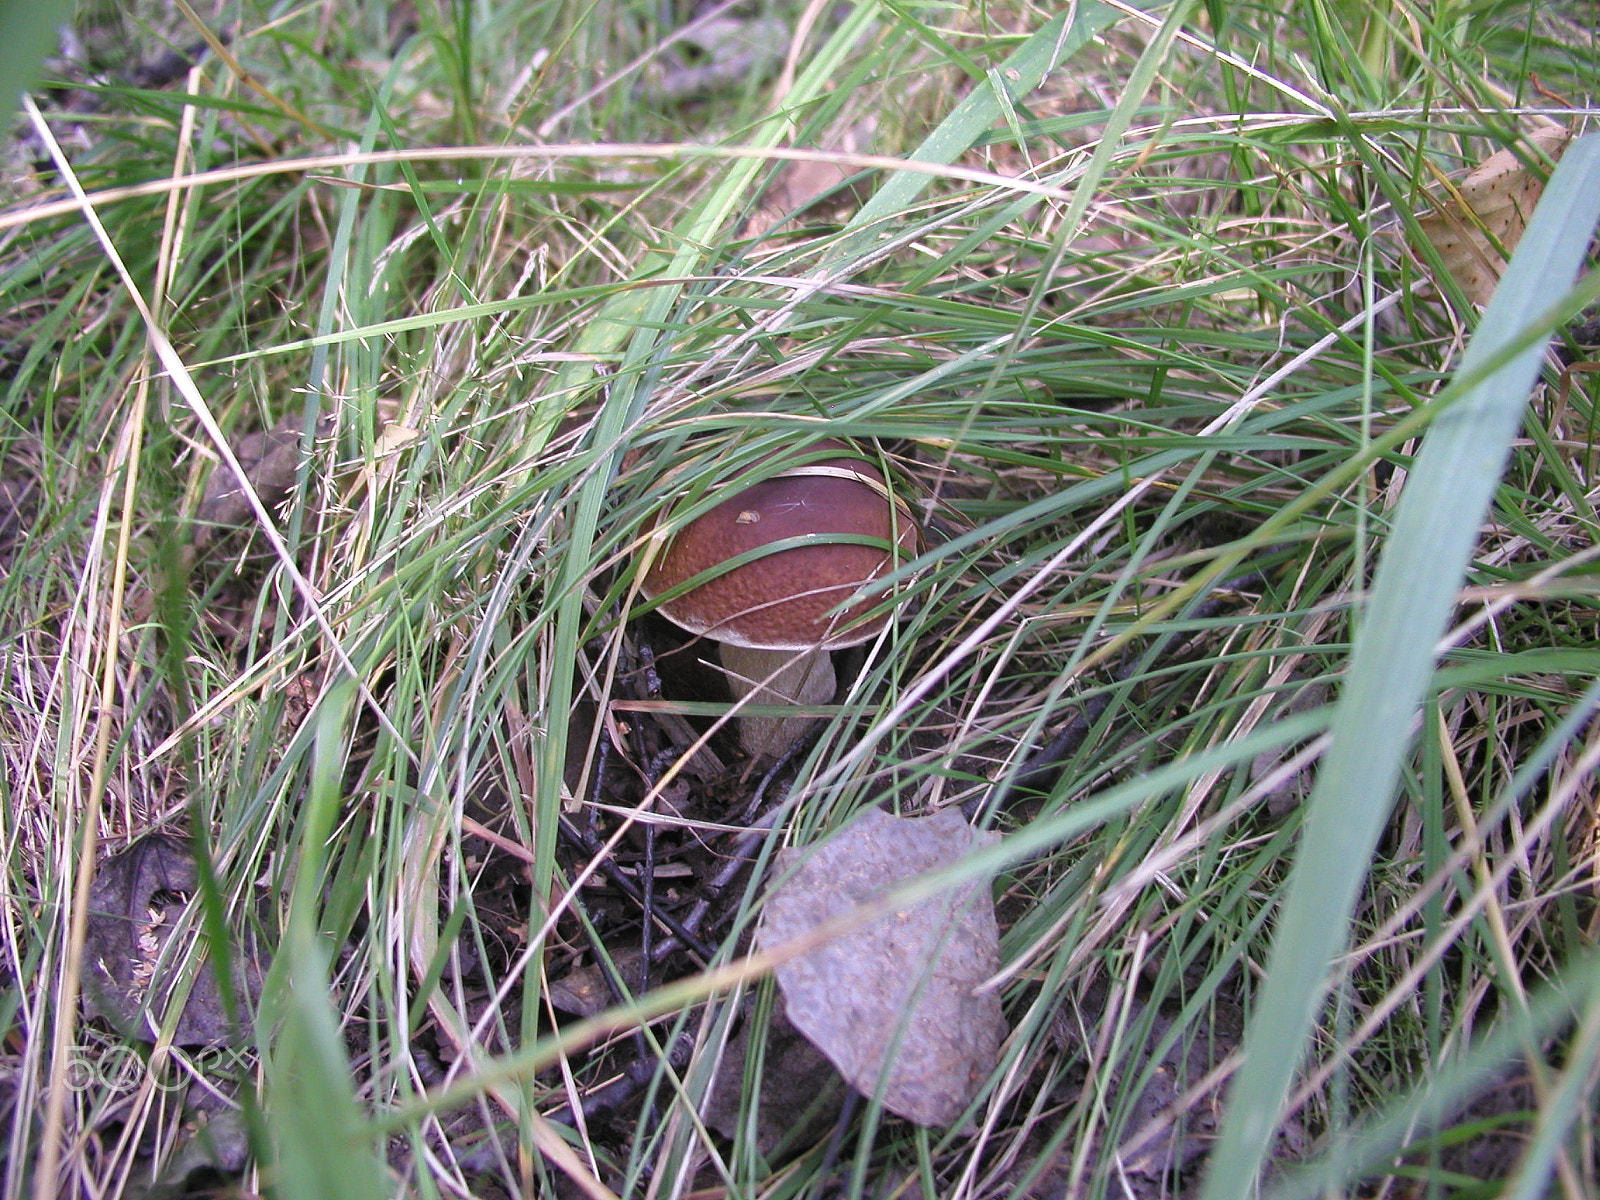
(717, 54)
(801, 1093)
(587, 990)
(1475, 224)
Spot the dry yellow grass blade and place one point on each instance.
(1479, 221)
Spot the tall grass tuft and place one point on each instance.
(1255, 607)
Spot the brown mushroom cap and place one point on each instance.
(786, 600)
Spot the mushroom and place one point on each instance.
(769, 573)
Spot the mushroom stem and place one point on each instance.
(796, 677)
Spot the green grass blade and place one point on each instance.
(1446, 496)
(320, 1139)
(29, 25)
(1472, 1073)
(1055, 42)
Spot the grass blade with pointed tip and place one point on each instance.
(1447, 494)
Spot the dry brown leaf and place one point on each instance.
(586, 990)
(1169, 1107)
(129, 966)
(721, 53)
(393, 438)
(17, 505)
(271, 460)
(898, 1001)
(1478, 222)
(799, 184)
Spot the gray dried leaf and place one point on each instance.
(130, 970)
(17, 504)
(1164, 1135)
(896, 1000)
(212, 1147)
(1289, 791)
(271, 462)
(1169, 1107)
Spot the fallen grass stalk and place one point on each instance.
(600, 150)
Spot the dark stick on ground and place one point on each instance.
(739, 856)
(606, 1100)
(614, 875)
